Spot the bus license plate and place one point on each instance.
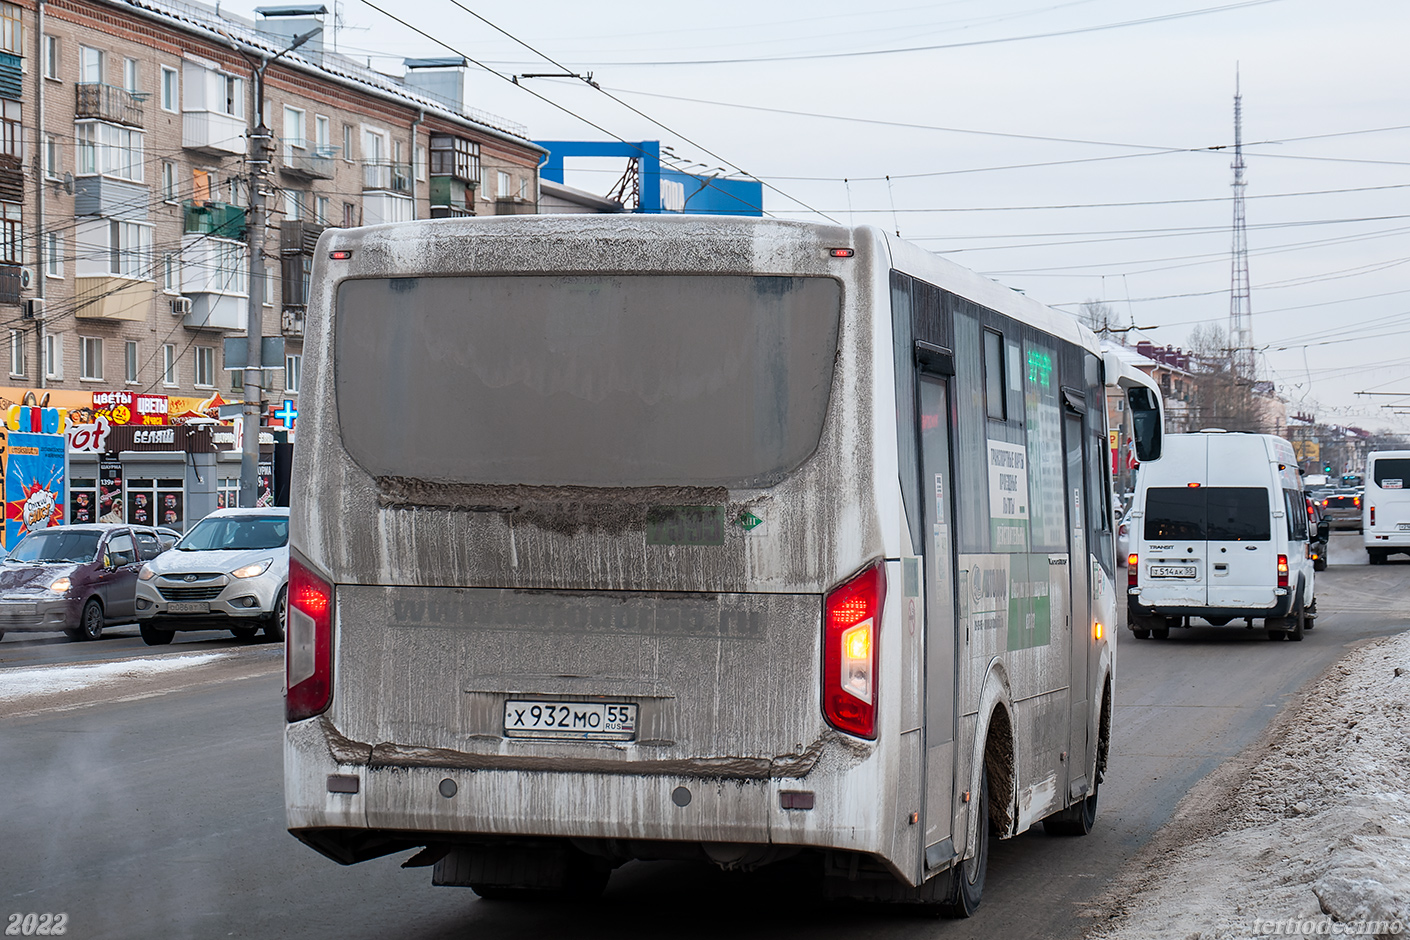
(570, 721)
(188, 607)
(1172, 571)
(1403, 527)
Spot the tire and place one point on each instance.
(244, 633)
(1076, 820)
(967, 878)
(90, 622)
(1298, 623)
(154, 637)
(1161, 633)
(1141, 634)
(1377, 557)
(274, 626)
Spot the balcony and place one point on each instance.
(386, 177)
(109, 297)
(219, 219)
(111, 198)
(213, 132)
(303, 158)
(11, 283)
(107, 103)
(11, 76)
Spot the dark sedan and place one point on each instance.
(75, 578)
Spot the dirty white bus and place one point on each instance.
(625, 538)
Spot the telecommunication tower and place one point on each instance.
(1241, 357)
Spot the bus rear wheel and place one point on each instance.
(1077, 820)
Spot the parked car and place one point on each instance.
(168, 537)
(1319, 531)
(76, 578)
(229, 572)
(1343, 510)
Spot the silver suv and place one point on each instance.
(231, 571)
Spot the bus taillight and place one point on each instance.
(1282, 571)
(309, 644)
(1133, 570)
(851, 624)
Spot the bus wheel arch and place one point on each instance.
(995, 755)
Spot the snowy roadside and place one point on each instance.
(26, 690)
(1314, 841)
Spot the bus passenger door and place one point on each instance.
(1079, 567)
(940, 632)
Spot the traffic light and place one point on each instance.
(1327, 468)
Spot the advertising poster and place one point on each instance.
(139, 508)
(170, 510)
(266, 483)
(81, 508)
(110, 491)
(35, 472)
(1008, 496)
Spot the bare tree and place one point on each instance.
(1098, 317)
(1222, 398)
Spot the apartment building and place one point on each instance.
(125, 170)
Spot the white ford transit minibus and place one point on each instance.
(1219, 532)
(1385, 506)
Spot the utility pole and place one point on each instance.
(261, 150)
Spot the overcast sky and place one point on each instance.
(1008, 130)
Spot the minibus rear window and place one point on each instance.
(1391, 473)
(1214, 513)
(586, 380)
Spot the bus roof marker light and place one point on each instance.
(342, 254)
(841, 252)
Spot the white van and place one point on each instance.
(1219, 532)
(1385, 505)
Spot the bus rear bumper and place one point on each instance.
(352, 811)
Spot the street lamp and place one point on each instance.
(261, 151)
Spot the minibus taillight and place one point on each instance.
(851, 625)
(1373, 515)
(308, 655)
(1133, 570)
(1282, 571)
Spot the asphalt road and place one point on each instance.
(159, 812)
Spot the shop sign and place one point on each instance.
(90, 438)
(128, 408)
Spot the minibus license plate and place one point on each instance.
(570, 721)
(1172, 571)
(1403, 527)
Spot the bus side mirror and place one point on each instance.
(1145, 422)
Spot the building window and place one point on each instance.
(321, 209)
(347, 142)
(17, 352)
(109, 150)
(293, 204)
(506, 184)
(237, 380)
(51, 57)
(10, 243)
(92, 358)
(524, 188)
(349, 215)
(109, 246)
(322, 138)
(54, 254)
(51, 157)
(227, 492)
(90, 65)
(234, 95)
(169, 272)
(455, 156)
(129, 361)
(168, 181)
(54, 355)
(11, 29)
(420, 164)
(293, 369)
(169, 89)
(293, 131)
(129, 74)
(168, 364)
(11, 133)
(205, 366)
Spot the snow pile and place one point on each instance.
(1314, 842)
(26, 681)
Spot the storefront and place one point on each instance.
(146, 475)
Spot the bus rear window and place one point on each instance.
(586, 380)
(1391, 473)
(1214, 513)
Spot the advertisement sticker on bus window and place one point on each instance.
(1391, 484)
(1008, 496)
